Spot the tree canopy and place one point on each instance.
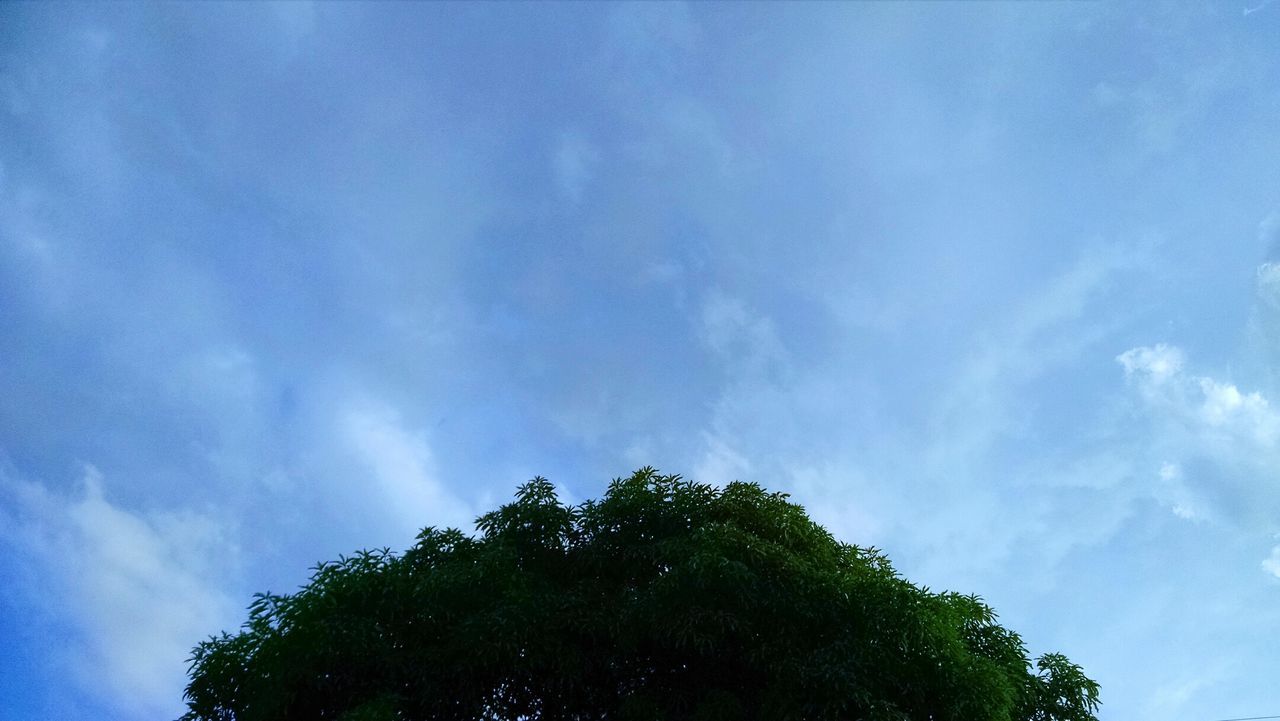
(665, 599)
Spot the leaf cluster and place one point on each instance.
(663, 600)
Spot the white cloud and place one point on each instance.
(1045, 332)
(1269, 229)
(736, 333)
(137, 590)
(661, 272)
(223, 377)
(16, 92)
(649, 40)
(1229, 436)
(1157, 363)
(296, 20)
(1260, 6)
(1269, 284)
(1178, 689)
(932, 477)
(1175, 494)
(96, 40)
(1165, 110)
(27, 244)
(1106, 95)
(1272, 563)
(584, 416)
(412, 495)
(751, 358)
(843, 501)
(1208, 409)
(574, 165)
(720, 463)
(1224, 405)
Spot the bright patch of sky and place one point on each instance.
(993, 287)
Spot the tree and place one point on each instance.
(665, 599)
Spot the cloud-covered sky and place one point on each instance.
(993, 287)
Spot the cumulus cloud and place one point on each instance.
(1229, 436)
(138, 590)
(1157, 363)
(1206, 407)
(1224, 406)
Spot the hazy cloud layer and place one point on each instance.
(993, 287)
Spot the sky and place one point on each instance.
(995, 288)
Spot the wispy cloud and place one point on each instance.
(409, 491)
(341, 271)
(1260, 6)
(574, 165)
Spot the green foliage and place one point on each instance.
(663, 600)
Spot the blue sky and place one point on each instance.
(993, 287)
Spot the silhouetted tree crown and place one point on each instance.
(665, 599)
